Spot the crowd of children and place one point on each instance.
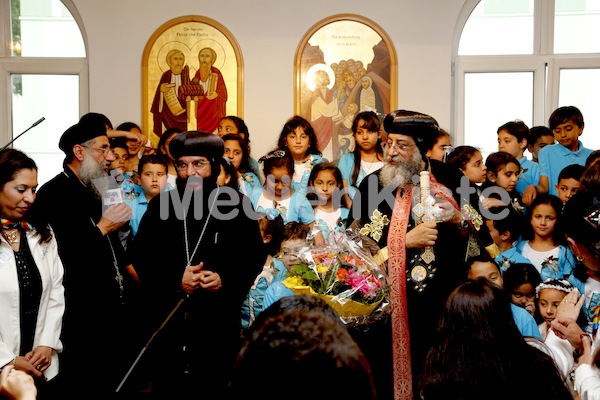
(525, 198)
(302, 197)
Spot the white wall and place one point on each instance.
(268, 32)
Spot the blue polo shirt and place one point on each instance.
(525, 322)
(139, 205)
(530, 175)
(555, 157)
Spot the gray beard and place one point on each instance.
(398, 176)
(93, 176)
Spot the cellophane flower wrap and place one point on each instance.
(345, 274)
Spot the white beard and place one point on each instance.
(91, 175)
(401, 175)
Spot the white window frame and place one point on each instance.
(545, 65)
(36, 65)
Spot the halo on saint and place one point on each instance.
(310, 76)
(212, 44)
(161, 55)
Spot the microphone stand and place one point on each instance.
(36, 123)
(173, 311)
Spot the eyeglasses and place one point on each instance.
(197, 165)
(104, 150)
(399, 146)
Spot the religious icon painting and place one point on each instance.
(192, 75)
(345, 64)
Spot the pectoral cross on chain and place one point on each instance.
(427, 210)
(119, 279)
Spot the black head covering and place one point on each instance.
(580, 217)
(90, 126)
(195, 143)
(95, 119)
(421, 127)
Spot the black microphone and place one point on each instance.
(36, 123)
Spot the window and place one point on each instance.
(44, 67)
(522, 59)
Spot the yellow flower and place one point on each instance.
(295, 281)
(321, 269)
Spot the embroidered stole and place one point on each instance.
(397, 280)
(397, 277)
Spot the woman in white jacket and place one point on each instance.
(32, 298)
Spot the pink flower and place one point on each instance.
(368, 287)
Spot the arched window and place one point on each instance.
(521, 59)
(43, 73)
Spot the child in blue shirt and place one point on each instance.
(483, 267)
(569, 181)
(567, 125)
(502, 177)
(506, 233)
(325, 190)
(119, 167)
(520, 281)
(367, 156)
(512, 138)
(294, 241)
(299, 140)
(231, 124)
(539, 137)
(238, 153)
(278, 197)
(546, 248)
(153, 171)
(271, 230)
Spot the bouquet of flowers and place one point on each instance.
(346, 275)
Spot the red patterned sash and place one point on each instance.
(397, 277)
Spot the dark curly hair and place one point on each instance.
(290, 126)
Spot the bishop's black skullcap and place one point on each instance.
(90, 126)
(195, 143)
(421, 127)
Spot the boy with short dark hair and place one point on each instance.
(569, 181)
(483, 267)
(513, 139)
(153, 176)
(539, 137)
(567, 125)
(118, 167)
(506, 233)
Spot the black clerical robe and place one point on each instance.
(95, 331)
(202, 338)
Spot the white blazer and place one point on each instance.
(52, 302)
